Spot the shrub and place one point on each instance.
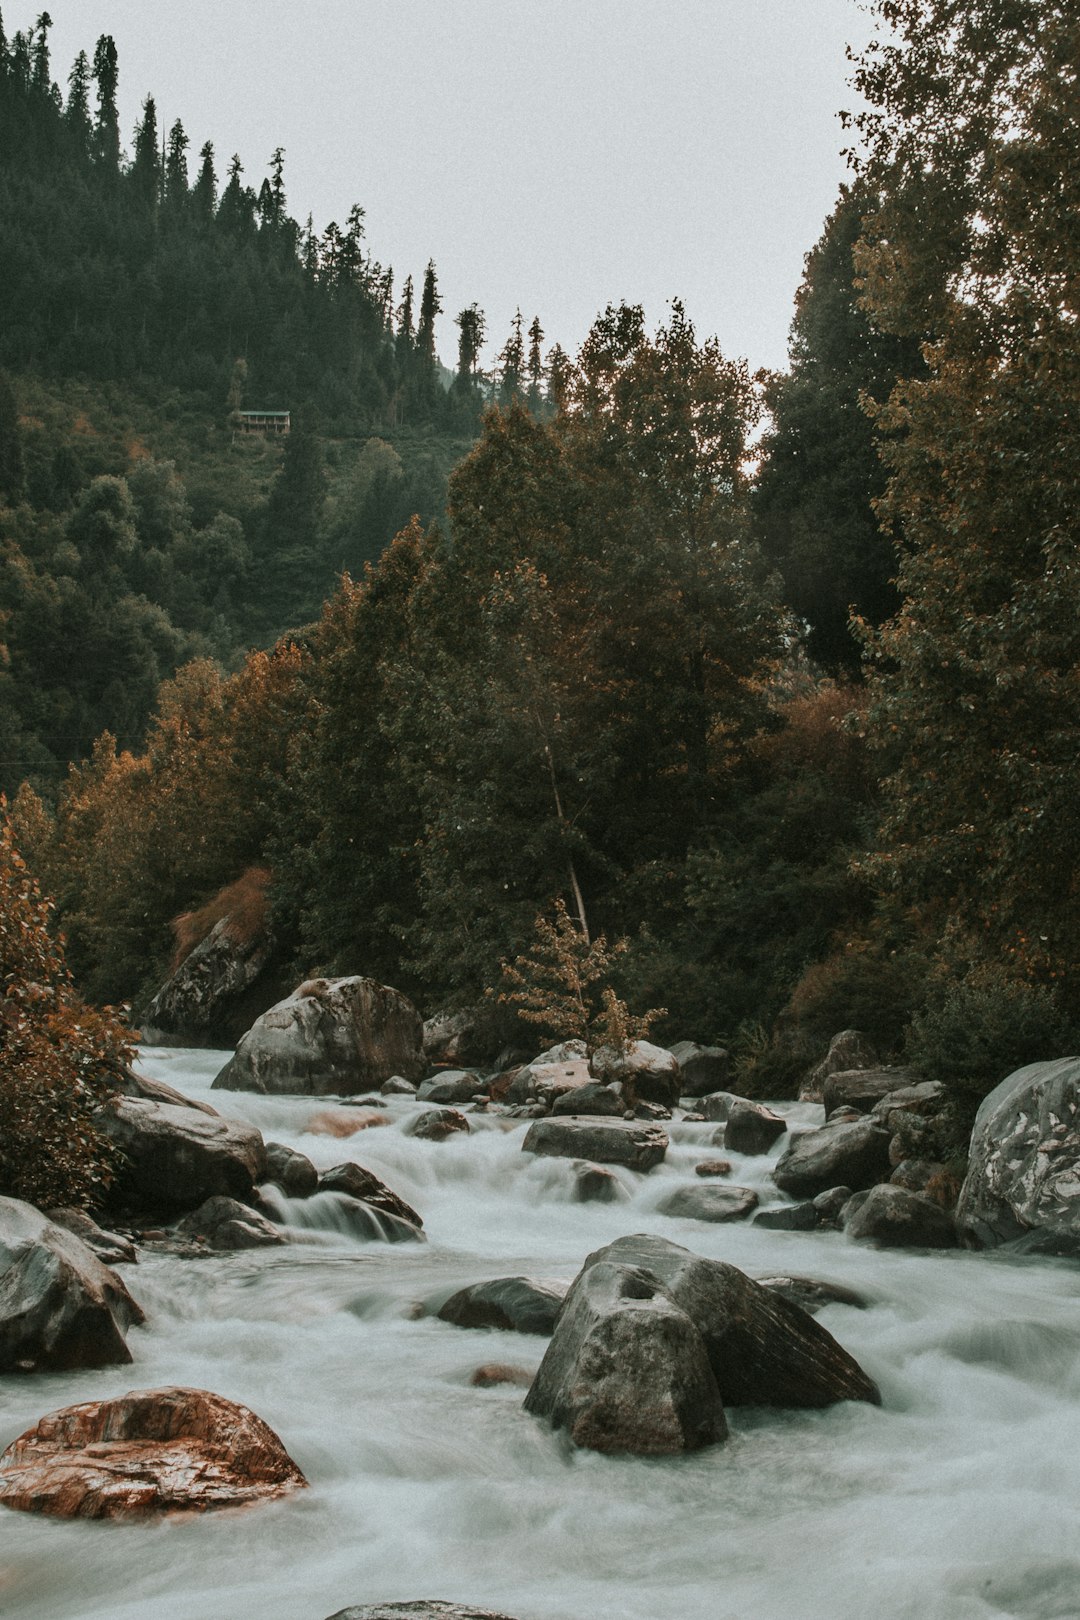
(980, 1028)
(59, 1058)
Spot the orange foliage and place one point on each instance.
(244, 906)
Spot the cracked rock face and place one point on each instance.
(1023, 1180)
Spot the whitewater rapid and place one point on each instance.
(958, 1499)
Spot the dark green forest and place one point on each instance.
(775, 678)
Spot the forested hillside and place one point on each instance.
(795, 713)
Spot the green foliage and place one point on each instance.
(59, 1058)
(562, 986)
(978, 1029)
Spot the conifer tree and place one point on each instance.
(145, 171)
(176, 170)
(107, 123)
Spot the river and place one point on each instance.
(958, 1499)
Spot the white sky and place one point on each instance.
(557, 154)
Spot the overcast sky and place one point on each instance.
(552, 154)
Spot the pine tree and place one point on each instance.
(176, 170)
(145, 171)
(204, 191)
(107, 123)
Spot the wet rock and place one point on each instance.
(590, 1099)
(452, 1086)
(223, 1223)
(848, 1050)
(357, 1182)
(175, 1158)
(927, 1097)
(293, 1172)
(713, 1167)
(343, 1122)
(220, 987)
(565, 1063)
(830, 1204)
(422, 1609)
(132, 1083)
(397, 1086)
(855, 1154)
(513, 1304)
(627, 1369)
(371, 1225)
(845, 1115)
(493, 1373)
(151, 1451)
(752, 1128)
(789, 1218)
(702, 1069)
(111, 1248)
(331, 1036)
(896, 1218)
(862, 1088)
(624, 1369)
(709, 1203)
(717, 1106)
(914, 1174)
(437, 1124)
(60, 1307)
(593, 1184)
(638, 1146)
(811, 1294)
(645, 1072)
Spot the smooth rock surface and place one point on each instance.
(449, 1086)
(60, 1307)
(595, 1099)
(862, 1088)
(854, 1154)
(627, 1369)
(637, 1145)
(331, 1036)
(709, 1203)
(357, 1182)
(595, 1184)
(513, 1304)
(752, 1128)
(111, 1248)
(224, 1223)
(150, 1451)
(1023, 1180)
(717, 1105)
(702, 1069)
(293, 1172)
(647, 1073)
(899, 1219)
(177, 1157)
(437, 1124)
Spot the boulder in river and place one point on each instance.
(450, 1086)
(638, 1145)
(331, 1036)
(357, 1182)
(811, 1294)
(224, 1223)
(652, 1341)
(717, 1106)
(848, 1050)
(437, 1124)
(421, 1609)
(789, 1218)
(60, 1307)
(514, 1304)
(701, 1068)
(151, 1451)
(111, 1248)
(862, 1088)
(899, 1219)
(647, 1073)
(627, 1370)
(1023, 1180)
(752, 1128)
(175, 1158)
(596, 1184)
(595, 1099)
(704, 1202)
(293, 1172)
(854, 1153)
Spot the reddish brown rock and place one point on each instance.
(493, 1373)
(150, 1451)
(438, 1123)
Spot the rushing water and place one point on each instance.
(959, 1498)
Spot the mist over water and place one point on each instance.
(959, 1498)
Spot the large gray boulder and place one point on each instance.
(752, 1128)
(175, 1158)
(331, 1036)
(450, 1086)
(60, 1307)
(515, 1304)
(595, 1099)
(220, 987)
(627, 1369)
(647, 1073)
(1023, 1180)
(652, 1341)
(293, 1172)
(225, 1223)
(848, 1050)
(637, 1144)
(701, 1068)
(854, 1154)
(862, 1088)
(897, 1218)
(704, 1201)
